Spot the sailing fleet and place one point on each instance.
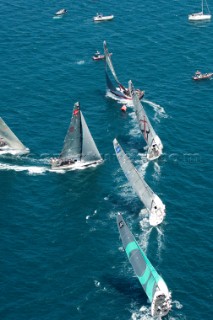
(79, 150)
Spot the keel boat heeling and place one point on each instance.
(9, 143)
(79, 149)
(153, 204)
(155, 146)
(118, 90)
(152, 283)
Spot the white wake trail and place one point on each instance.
(159, 111)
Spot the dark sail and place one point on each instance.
(72, 148)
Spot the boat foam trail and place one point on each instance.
(128, 103)
(30, 169)
(159, 110)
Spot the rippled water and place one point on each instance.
(61, 255)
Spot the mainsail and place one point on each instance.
(79, 145)
(152, 283)
(72, 148)
(154, 143)
(12, 142)
(109, 63)
(151, 201)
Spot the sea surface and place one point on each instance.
(61, 256)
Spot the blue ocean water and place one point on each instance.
(61, 255)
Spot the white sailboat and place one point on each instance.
(79, 148)
(9, 143)
(152, 203)
(155, 146)
(152, 283)
(201, 16)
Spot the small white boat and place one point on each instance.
(200, 16)
(61, 12)
(99, 17)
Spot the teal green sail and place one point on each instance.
(152, 283)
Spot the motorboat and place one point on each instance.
(61, 12)
(202, 76)
(100, 17)
(99, 56)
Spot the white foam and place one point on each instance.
(97, 283)
(143, 164)
(157, 172)
(127, 102)
(177, 304)
(80, 62)
(159, 111)
(39, 169)
(142, 314)
(30, 169)
(146, 229)
(57, 17)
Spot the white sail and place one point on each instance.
(151, 201)
(154, 143)
(90, 152)
(109, 62)
(12, 143)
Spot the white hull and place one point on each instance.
(61, 12)
(153, 155)
(157, 212)
(155, 150)
(156, 218)
(199, 17)
(103, 18)
(76, 165)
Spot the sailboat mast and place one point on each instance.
(81, 134)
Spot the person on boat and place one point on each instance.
(2, 143)
(155, 149)
(97, 54)
(126, 92)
